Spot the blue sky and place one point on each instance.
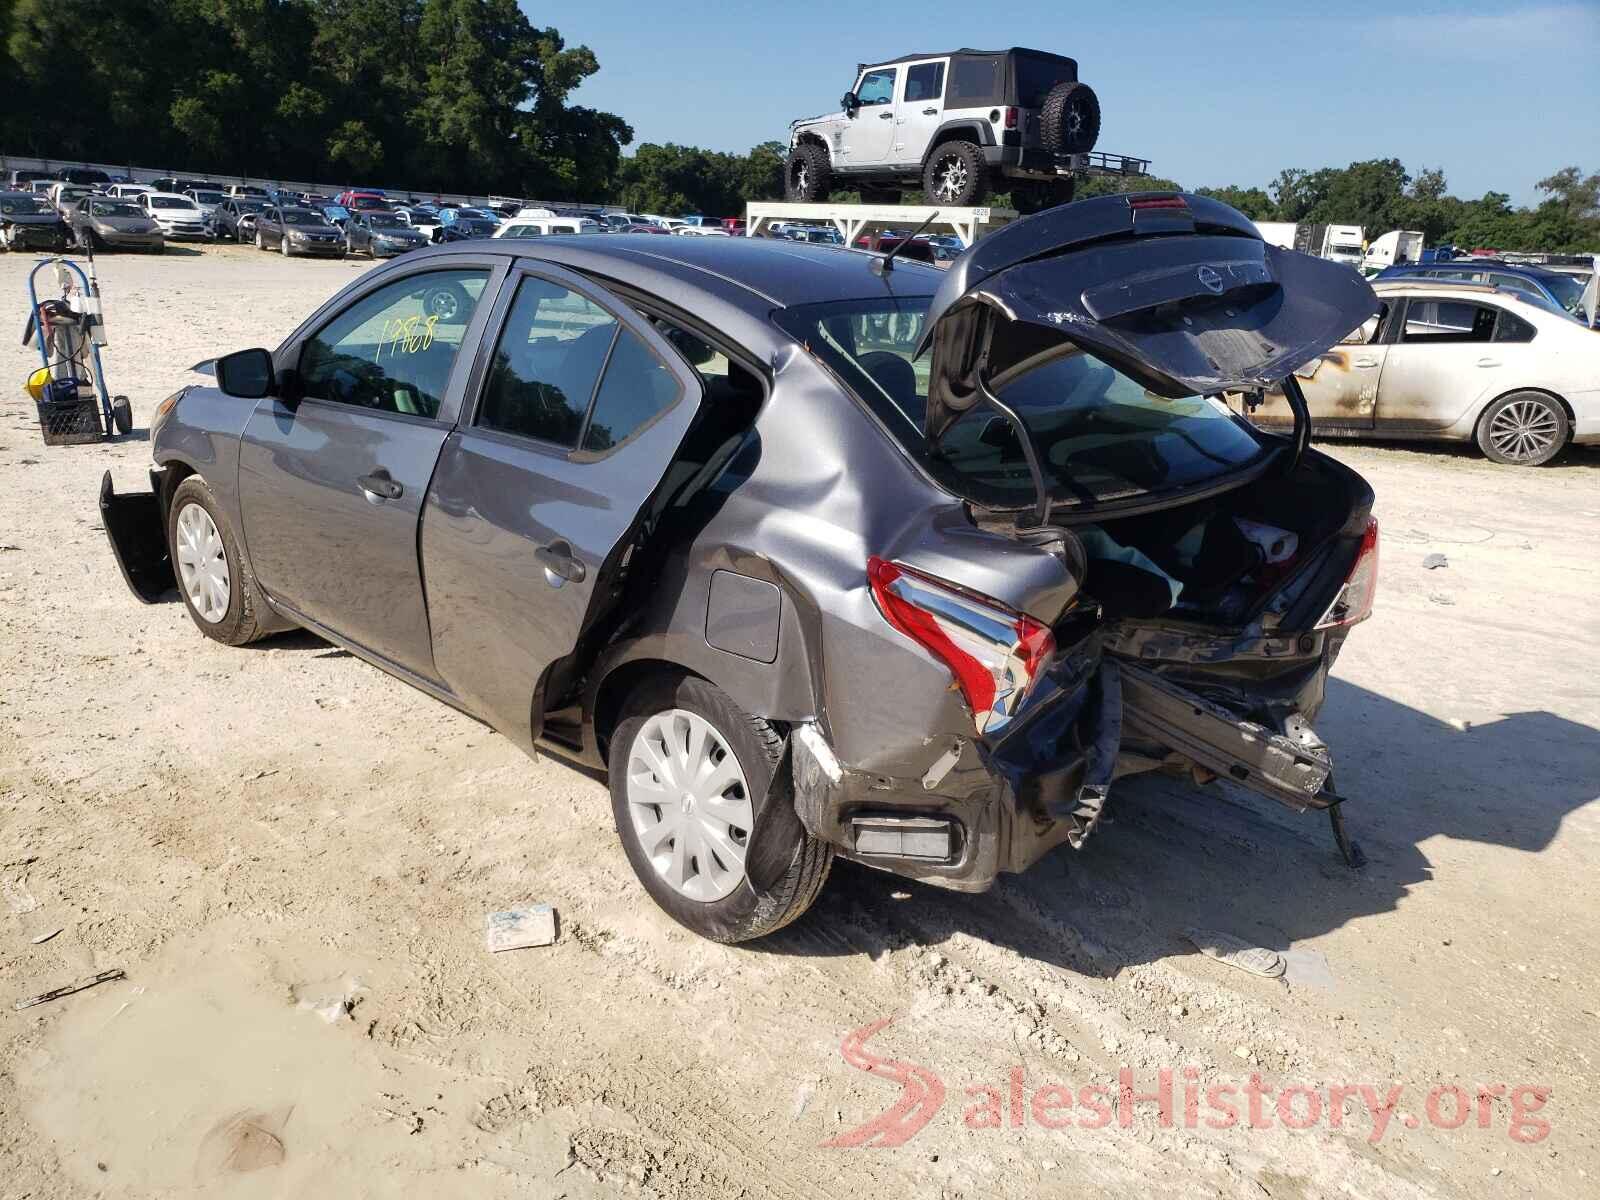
(1498, 95)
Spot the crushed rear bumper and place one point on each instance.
(136, 526)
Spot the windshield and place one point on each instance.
(385, 221)
(113, 208)
(249, 206)
(18, 206)
(208, 197)
(365, 202)
(301, 217)
(1100, 436)
(170, 202)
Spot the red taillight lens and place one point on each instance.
(994, 652)
(1011, 118)
(1354, 600)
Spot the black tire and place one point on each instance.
(261, 239)
(807, 177)
(1030, 196)
(238, 624)
(1523, 429)
(956, 175)
(749, 911)
(1069, 122)
(122, 414)
(880, 195)
(447, 301)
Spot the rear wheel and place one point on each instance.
(261, 241)
(807, 175)
(689, 774)
(955, 174)
(1524, 429)
(219, 594)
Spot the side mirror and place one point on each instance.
(849, 102)
(246, 374)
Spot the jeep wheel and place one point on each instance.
(806, 175)
(1070, 120)
(956, 175)
(1031, 195)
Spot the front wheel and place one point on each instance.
(261, 240)
(283, 244)
(690, 773)
(955, 175)
(220, 596)
(1524, 429)
(807, 175)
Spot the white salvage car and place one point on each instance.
(1455, 362)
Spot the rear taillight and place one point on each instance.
(1011, 118)
(1354, 601)
(994, 652)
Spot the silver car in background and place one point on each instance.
(814, 552)
(1457, 362)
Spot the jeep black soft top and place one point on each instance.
(1016, 76)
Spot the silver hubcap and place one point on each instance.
(440, 304)
(689, 804)
(952, 178)
(1523, 429)
(803, 177)
(202, 563)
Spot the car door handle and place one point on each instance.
(930, 112)
(1366, 362)
(1488, 362)
(557, 560)
(885, 116)
(380, 485)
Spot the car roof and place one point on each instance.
(1448, 287)
(1457, 264)
(762, 272)
(153, 194)
(889, 62)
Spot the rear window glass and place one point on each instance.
(1100, 436)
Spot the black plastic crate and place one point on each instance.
(70, 422)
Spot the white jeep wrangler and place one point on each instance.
(956, 125)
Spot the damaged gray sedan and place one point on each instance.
(816, 553)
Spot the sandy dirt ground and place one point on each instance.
(291, 856)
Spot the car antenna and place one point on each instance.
(882, 266)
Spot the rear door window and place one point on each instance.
(925, 81)
(393, 349)
(1433, 322)
(567, 372)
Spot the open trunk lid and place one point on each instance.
(1178, 292)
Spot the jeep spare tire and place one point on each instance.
(1069, 123)
(806, 176)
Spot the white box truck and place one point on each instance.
(1343, 243)
(1396, 246)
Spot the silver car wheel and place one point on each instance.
(1524, 429)
(690, 804)
(203, 563)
